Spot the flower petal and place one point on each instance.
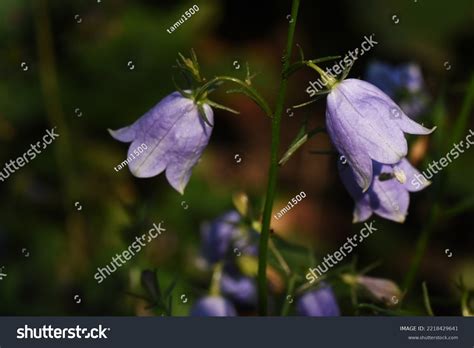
(213, 306)
(347, 141)
(415, 180)
(368, 110)
(318, 303)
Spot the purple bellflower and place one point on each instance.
(365, 125)
(175, 135)
(318, 303)
(388, 195)
(213, 306)
(403, 83)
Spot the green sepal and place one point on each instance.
(220, 106)
(203, 115)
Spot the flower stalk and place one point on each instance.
(273, 170)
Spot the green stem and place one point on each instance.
(426, 300)
(286, 304)
(421, 246)
(273, 170)
(246, 89)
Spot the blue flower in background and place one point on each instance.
(318, 303)
(365, 125)
(388, 195)
(240, 289)
(403, 83)
(175, 135)
(217, 236)
(213, 306)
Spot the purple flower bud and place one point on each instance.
(318, 303)
(382, 290)
(240, 289)
(388, 195)
(360, 122)
(175, 136)
(213, 306)
(217, 236)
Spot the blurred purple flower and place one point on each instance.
(175, 135)
(240, 289)
(383, 290)
(318, 303)
(213, 306)
(217, 236)
(388, 195)
(361, 123)
(403, 83)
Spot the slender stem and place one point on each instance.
(421, 246)
(279, 257)
(426, 299)
(289, 294)
(273, 170)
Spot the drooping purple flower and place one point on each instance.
(365, 125)
(240, 289)
(318, 303)
(175, 136)
(217, 236)
(213, 306)
(388, 195)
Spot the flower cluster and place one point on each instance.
(368, 128)
(224, 241)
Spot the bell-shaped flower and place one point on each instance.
(318, 303)
(213, 306)
(365, 125)
(403, 83)
(175, 135)
(388, 194)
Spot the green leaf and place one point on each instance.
(203, 115)
(300, 139)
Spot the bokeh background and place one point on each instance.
(79, 79)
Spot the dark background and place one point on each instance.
(84, 66)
